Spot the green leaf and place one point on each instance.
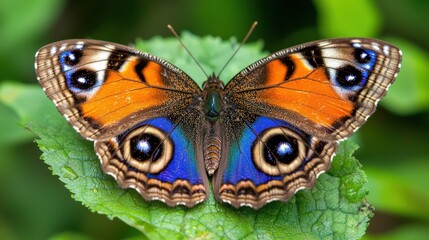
(21, 99)
(11, 131)
(347, 18)
(335, 208)
(211, 53)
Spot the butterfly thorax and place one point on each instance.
(213, 91)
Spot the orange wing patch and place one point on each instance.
(124, 93)
(276, 72)
(152, 74)
(307, 92)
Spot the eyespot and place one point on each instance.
(145, 147)
(71, 58)
(278, 150)
(148, 149)
(349, 77)
(82, 79)
(364, 57)
(84, 75)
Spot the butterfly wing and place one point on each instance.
(103, 89)
(266, 159)
(291, 109)
(159, 158)
(133, 105)
(327, 88)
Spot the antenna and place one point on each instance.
(183, 45)
(241, 44)
(229, 60)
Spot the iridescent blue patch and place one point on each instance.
(66, 69)
(365, 58)
(240, 164)
(183, 165)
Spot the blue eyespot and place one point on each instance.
(365, 58)
(351, 78)
(280, 148)
(78, 79)
(70, 58)
(81, 80)
(146, 147)
(354, 76)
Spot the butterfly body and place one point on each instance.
(267, 133)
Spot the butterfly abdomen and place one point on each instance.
(212, 149)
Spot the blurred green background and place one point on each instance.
(394, 147)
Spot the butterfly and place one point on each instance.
(267, 133)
